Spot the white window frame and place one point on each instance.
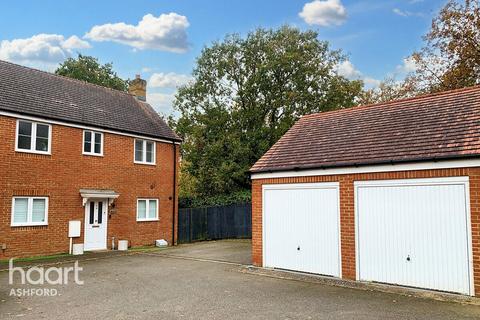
(29, 212)
(147, 206)
(92, 144)
(34, 137)
(144, 155)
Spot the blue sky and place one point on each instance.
(161, 39)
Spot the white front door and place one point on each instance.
(414, 233)
(301, 227)
(95, 225)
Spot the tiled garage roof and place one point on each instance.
(431, 127)
(37, 93)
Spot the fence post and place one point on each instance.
(190, 231)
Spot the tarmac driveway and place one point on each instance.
(186, 283)
(234, 251)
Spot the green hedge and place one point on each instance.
(218, 200)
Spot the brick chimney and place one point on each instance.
(138, 87)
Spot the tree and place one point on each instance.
(246, 93)
(88, 69)
(450, 58)
(390, 89)
(187, 183)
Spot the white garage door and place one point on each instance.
(414, 233)
(301, 227)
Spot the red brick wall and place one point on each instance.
(62, 174)
(347, 215)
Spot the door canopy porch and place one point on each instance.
(96, 194)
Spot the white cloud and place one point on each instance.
(405, 13)
(168, 80)
(371, 82)
(400, 12)
(347, 69)
(408, 65)
(75, 42)
(41, 50)
(40, 47)
(166, 32)
(161, 102)
(324, 13)
(168, 83)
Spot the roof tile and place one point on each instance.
(37, 93)
(436, 126)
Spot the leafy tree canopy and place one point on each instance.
(449, 59)
(390, 89)
(88, 69)
(246, 93)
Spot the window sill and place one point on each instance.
(148, 220)
(145, 163)
(34, 152)
(28, 225)
(92, 154)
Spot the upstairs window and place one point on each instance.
(92, 143)
(33, 137)
(144, 151)
(29, 211)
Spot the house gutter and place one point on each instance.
(86, 126)
(174, 190)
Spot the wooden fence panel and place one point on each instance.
(213, 223)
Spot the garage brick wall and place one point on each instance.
(60, 177)
(347, 213)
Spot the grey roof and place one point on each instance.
(37, 93)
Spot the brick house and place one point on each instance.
(73, 151)
(386, 193)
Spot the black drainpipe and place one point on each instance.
(174, 190)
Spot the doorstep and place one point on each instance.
(371, 286)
